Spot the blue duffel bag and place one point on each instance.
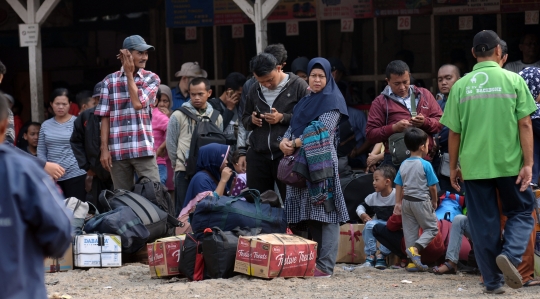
(228, 213)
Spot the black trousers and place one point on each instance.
(390, 239)
(98, 186)
(74, 187)
(262, 173)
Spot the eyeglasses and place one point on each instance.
(315, 76)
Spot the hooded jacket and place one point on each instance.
(33, 224)
(179, 132)
(211, 157)
(379, 128)
(265, 140)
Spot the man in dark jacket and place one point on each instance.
(85, 143)
(391, 111)
(268, 113)
(33, 221)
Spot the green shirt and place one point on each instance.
(484, 107)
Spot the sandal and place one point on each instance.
(532, 283)
(450, 270)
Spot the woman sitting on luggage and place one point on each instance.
(320, 205)
(212, 171)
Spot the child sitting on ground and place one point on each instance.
(416, 196)
(381, 204)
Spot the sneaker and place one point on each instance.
(371, 260)
(320, 274)
(411, 268)
(497, 291)
(415, 258)
(511, 274)
(380, 262)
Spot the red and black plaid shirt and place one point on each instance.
(131, 130)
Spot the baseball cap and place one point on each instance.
(191, 69)
(97, 89)
(485, 40)
(136, 42)
(337, 64)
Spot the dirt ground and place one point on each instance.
(133, 281)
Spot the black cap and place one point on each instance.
(336, 64)
(485, 40)
(97, 89)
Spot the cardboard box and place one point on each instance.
(275, 255)
(97, 250)
(64, 263)
(164, 256)
(351, 244)
(96, 260)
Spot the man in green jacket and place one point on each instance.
(490, 131)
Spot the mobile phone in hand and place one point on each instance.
(258, 112)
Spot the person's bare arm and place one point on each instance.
(433, 195)
(399, 200)
(526, 139)
(105, 159)
(454, 140)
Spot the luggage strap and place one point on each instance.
(149, 185)
(144, 209)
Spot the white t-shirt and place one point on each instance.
(518, 66)
(270, 95)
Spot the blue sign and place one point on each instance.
(186, 13)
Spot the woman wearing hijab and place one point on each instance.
(326, 105)
(531, 75)
(212, 171)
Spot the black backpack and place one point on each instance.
(205, 132)
(347, 140)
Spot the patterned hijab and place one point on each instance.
(531, 75)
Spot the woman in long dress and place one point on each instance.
(326, 105)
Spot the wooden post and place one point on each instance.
(35, 14)
(258, 12)
(375, 55)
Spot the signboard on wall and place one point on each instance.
(401, 7)
(338, 9)
(185, 13)
(294, 10)
(226, 12)
(451, 7)
(519, 5)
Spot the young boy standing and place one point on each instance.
(381, 205)
(416, 196)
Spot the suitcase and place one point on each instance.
(228, 213)
(356, 186)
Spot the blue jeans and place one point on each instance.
(536, 150)
(180, 189)
(162, 173)
(485, 224)
(460, 227)
(369, 240)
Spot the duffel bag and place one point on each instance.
(228, 213)
(121, 221)
(356, 187)
(154, 218)
(191, 259)
(219, 248)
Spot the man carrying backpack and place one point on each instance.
(85, 143)
(180, 130)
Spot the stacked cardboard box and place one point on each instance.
(98, 250)
(351, 244)
(275, 255)
(164, 256)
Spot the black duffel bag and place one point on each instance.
(154, 218)
(121, 221)
(356, 186)
(192, 260)
(228, 213)
(219, 249)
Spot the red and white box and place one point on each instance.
(275, 255)
(164, 256)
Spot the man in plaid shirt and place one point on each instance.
(124, 106)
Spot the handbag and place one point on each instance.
(396, 142)
(286, 173)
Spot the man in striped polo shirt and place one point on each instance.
(487, 113)
(127, 143)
